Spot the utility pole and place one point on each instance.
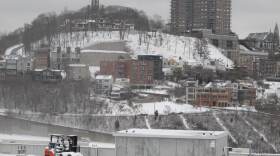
(250, 142)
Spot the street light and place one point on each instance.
(250, 142)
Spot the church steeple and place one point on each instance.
(276, 35)
(276, 30)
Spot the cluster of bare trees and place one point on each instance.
(201, 48)
(45, 97)
(45, 25)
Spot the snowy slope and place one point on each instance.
(164, 107)
(274, 88)
(178, 48)
(15, 50)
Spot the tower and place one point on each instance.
(276, 37)
(94, 7)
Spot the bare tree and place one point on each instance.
(201, 48)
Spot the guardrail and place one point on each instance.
(38, 150)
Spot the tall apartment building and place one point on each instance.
(187, 15)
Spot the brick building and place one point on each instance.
(269, 68)
(247, 95)
(187, 15)
(213, 97)
(119, 69)
(225, 95)
(42, 58)
(139, 72)
(158, 63)
(251, 60)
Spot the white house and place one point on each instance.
(78, 72)
(103, 84)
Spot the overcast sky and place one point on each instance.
(248, 15)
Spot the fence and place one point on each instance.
(38, 150)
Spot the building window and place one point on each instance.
(215, 42)
(229, 44)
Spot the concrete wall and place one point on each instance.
(38, 150)
(127, 146)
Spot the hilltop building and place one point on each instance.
(265, 41)
(187, 15)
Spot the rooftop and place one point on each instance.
(253, 53)
(160, 133)
(103, 51)
(104, 77)
(77, 65)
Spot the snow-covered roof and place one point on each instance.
(103, 51)
(104, 77)
(259, 36)
(92, 21)
(38, 70)
(163, 133)
(93, 70)
(77, 65)
(254, 53)
(101, 145)
(246, 51)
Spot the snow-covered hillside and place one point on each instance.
(171, 47)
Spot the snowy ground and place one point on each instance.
(251, 109)
(274, 88)
(172, 47)
(23, 139)
(152, 91)
(164, 107)
(2, 154)
(224, 127)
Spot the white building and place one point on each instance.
(78, 72)
(156, 142)
(18, 64)
(103, 84)
(120, 89)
